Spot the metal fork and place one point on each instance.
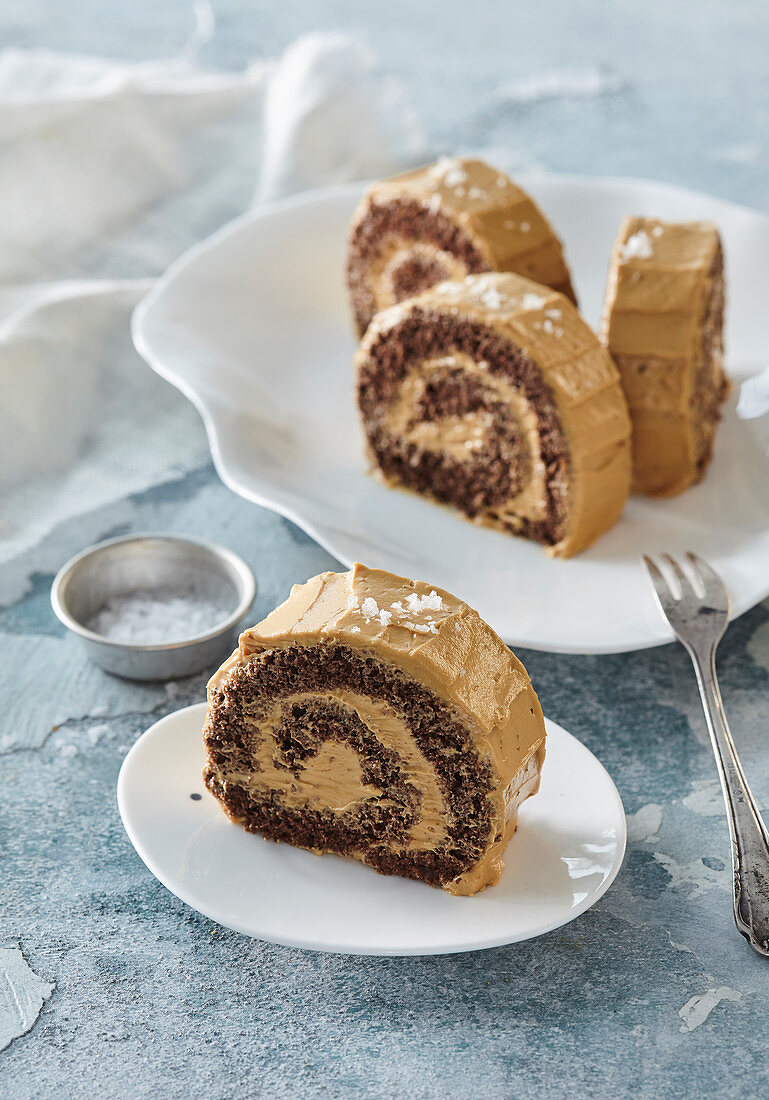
(699, 619)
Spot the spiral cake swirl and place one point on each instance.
(663, 324)
(454, 218)
(493, 395)
(381, 719)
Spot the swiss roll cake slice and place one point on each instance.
(381, 719)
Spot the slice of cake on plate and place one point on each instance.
(381, 719)
(454, 218)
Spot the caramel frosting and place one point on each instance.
(662, 324)
(494, 226)
(576, 370)
(434, 639)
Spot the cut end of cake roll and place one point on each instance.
(663, 325)
(453, 218)
(381, 719)
(492, 395)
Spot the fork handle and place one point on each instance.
(748, 834)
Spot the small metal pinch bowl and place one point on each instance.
(144, 568)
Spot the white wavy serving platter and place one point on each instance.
(565, 854)
(253, 326)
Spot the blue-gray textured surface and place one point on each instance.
(651, 993)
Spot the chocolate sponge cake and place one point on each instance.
(491, 394)
(663, 325)
(381, 719)
(453, 218)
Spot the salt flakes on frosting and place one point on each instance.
(450, 172)
(414, 605)
(430, 627)
(370, 607)
(638, 246)
(533, 301)
(417, 603)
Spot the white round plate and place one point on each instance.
(253, 326)
(563, 857)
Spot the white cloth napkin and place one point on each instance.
(110, 171)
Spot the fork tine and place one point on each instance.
(685, 585)
(705, 573)
(696, 573)
(657, 577)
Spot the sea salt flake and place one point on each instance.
(354, 629)
(370, 608)
(385, 617)
(533, 301)
(525, 227)
(477, 193)
(417, 603)
(638, 246)
(559, 333)
(458, 627)
(463, 672)
(422, 628)
(449, 171)
(548, 326)
(501, 181)
(657, 231)
(398, 606)
(554, 313)
(508, 223)
(492, 299)
(352, 603)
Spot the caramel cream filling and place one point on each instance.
(397, 250)
(464, 436)
(332, 778)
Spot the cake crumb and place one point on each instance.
(638, 246)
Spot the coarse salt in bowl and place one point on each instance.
(154, 607)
